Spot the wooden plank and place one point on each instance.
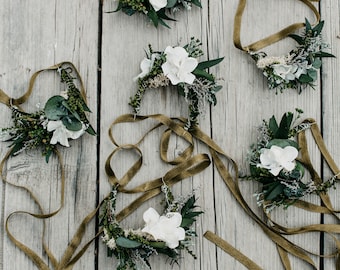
(242, 104)
(39, 34)
(36, 35)
(331, 109)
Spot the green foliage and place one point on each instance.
(288, 186)
(131, 247)
(29, 130)
(298, 69)
(158, 17)
(202, 91)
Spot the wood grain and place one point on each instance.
(41, 33)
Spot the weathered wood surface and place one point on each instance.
(37, 34)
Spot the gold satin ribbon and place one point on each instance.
(271, 39)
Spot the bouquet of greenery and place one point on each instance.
(62, 118)
(179, 67)
(274, 162)
(156, 10)
(298, 68)
(166, 234)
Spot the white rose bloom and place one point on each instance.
(165, 228)
(158, 4)
(277, 158)
(179, 65)
(61, 134)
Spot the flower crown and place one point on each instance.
(274, 163)
(178, 66)
(62, 118)
(298, 68)
(156, 10)
(167, 234)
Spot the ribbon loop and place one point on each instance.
(271, 39)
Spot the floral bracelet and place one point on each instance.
(156, 10)
(63, 117)
(274, 162)
(166, 234)
(179, 67)
(298, 68)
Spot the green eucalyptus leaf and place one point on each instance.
(153, 17)
(317, 63)
(71, 123)
(323, 54)
(304, 78)
(158, 245)
(313, 74)
(90, 130)
(217, 88)
(171, 3)
(308, 25)
(54, 108)
(210, 63)
(284, 127)
(283, 143)
(187, 222)
(274, 190)
(201, 73)
(297, 38)
(127, 243)
(273, 126)
(318, 28)
(197, 3)
(128, 11)
(161, 14)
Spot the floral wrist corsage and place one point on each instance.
(156, 10)
(178, 66)
(62, 118)
(298, 68)
(274, 163)
(166, 234)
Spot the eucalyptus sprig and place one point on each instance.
(167, 234)
(298, 69)
(179, 67)
(63, 117)
(157, 11)
(274, 162)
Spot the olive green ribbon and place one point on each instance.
(219, 158)
(186, 165)
(271, 39)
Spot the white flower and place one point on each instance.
(277, 158)
(146, 66)
(158, 4)
(286, 72)
(165, 228)
(179, 65)
(61, 134)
